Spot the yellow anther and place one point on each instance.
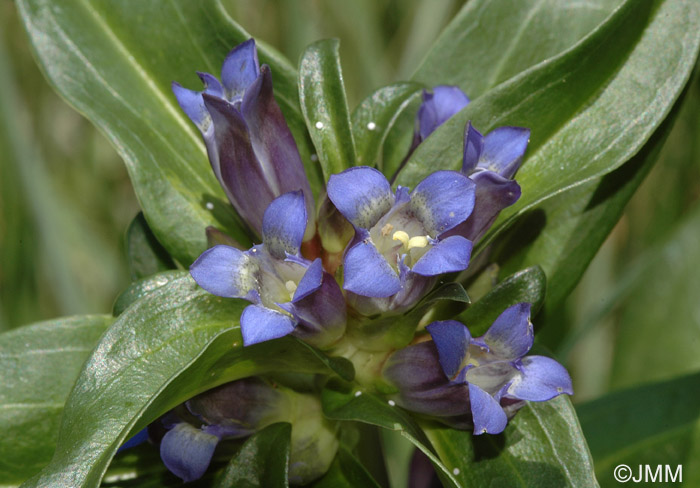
(400, 235)
(417, 241)
(291, 287)
(386, 230)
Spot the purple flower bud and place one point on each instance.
(250, 146)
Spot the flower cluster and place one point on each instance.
(392, 246)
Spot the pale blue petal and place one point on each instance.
(451, 339)
(367, 273)
(442, 200)
(447, 256)
(438, 107)
(225, 271)
(260, 324)
(310, 282)
(212, 86)
(473, 145)
(362, 194)
(511, 336)
(187, 451)
(488, 415)
(192, 103)
(284, 224)
(504, 148)
(541, 379)
(240, 69)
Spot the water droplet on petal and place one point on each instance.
(210, 206)
(391, 403)
(358, 393)
(455, 471)
(319, 125)
(371, 126)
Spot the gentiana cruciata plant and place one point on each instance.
(351, 277)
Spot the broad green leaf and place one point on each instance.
(528, 285)
(145, 255)
(374, 118)
(39, 365)
(488, 42)
(346, 472)
(170, 345)
(340, 402)
(325, 107)
(653, 424)
(658, 326)
(588, 109)
(542, 446)
(141, 288)
(262, 461)
(114, 62)
(564, 233)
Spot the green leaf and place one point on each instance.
(563, 234)
(40, 363)
(542, 446)
(262, 461)
(653, 424)
(528, 285)
(172, 344)
(114, 64)
(325, 107)
(488, 42)
(145, 255)
(340, 402)
(346, 472)
(374, 118)
(141, 288)
(586, 108)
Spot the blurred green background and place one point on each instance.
(65, 199)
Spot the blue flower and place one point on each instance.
(231, 411)
(478, 382)
(437, 108)
(288, 293)
(398, 247)
(250, 146)
(491, 163)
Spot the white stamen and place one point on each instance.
(319, 125)
(371, 126)
(291, 287)
(417, 241)
(210, 206)
(400, 235)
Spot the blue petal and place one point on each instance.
(452, 341)
(225, 271)
(487, 414)
(504, 148)
(473, 145)
(260, 324)
(139, 438)
(187, 451)
(447, 256)
(541, 379)
(361, 194)
(443, 200)
(284, 224)
(212, 86)
(367, 273)
(240, 69)
(438, 107)
(310, 282)
(192, 104)
(511, 335)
